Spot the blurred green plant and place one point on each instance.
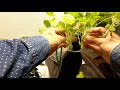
(80, 75)
(77, 24)
(33, 74)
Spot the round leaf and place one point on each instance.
(50, 13)
(69, 19)
(47, 23)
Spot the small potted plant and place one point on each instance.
(77, 25)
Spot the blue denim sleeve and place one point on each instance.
(19, 56)
(115, 59)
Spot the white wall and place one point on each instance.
(18, 24)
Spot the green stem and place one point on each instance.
(74, 51)
(111, 34)
(104, 20)
(78, 39)
(105, 34)
(60, 54)
(57, 55)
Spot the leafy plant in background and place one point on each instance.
(33, 74)
(77, 24)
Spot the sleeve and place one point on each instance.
(115, 59)
(19, 56)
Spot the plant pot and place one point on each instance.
(71, 63)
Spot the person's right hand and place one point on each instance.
(56, 39)
(102, 45)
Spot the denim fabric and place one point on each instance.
(19, 56)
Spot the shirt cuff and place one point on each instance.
(115, 59)
(39, 47)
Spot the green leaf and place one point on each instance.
(112, 29)
(61, 25)
(47, 23)
(74, 14)
(52, 20)
(42, 29)
(83, 13)
(107, 26)
(80, 75)
(116, 17)
(82, 20)
(69, 19)
(68, 26)
(92, 22)
(115, 20)
(50, 13)
(95, 13)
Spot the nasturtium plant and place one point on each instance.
(80, 75)
(77, 24)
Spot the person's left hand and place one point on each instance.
(56, 39)
(103, 45)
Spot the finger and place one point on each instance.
(97, 35)
(91, 39)
(93, 47)
(115, 36)
(60, 32)
(62, 45)
(61, 39)
(99, 30)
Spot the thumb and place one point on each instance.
(62, 45)
(91, 39)
(60, 32)
(61, 39)
(93, 47)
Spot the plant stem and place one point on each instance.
(104, 35)
(74, 51)
(57, 55)
(60, 54)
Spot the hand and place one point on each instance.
(56, 39)
(102, 45)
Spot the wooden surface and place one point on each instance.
(97, 67)
(91, 67)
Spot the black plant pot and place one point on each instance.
(71, 63)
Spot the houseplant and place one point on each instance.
(77, 25)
